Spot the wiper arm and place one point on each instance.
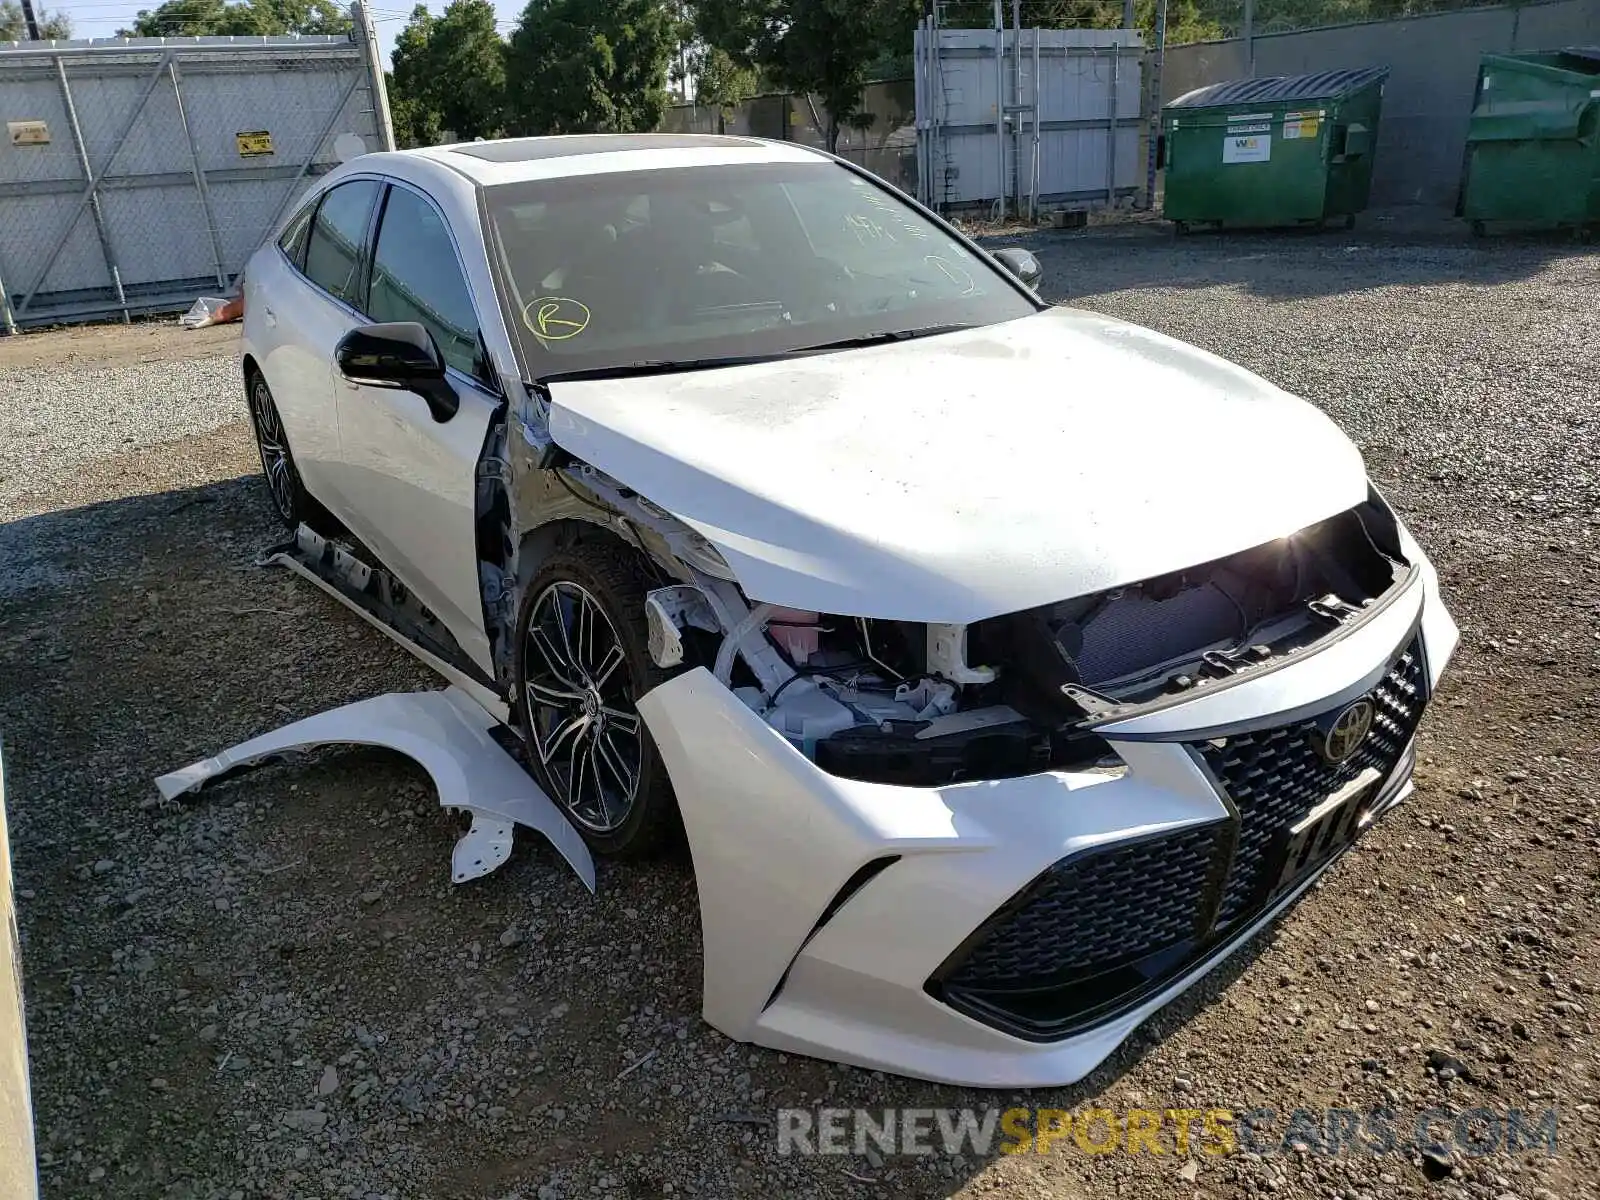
(656, 366)
(878, 339)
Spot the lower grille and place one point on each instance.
(1094, 912)
(1102, 928)
(1275, 776)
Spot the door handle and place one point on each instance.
(271, 317)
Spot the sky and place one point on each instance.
(102, 18)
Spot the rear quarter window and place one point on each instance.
(293, 241)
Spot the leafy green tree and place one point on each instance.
(584, 66)
(449, 75)
(821, 46)
(217, 18)
(718, 80)
(1187, 20)
(13, 28)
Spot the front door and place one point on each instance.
(411, 482)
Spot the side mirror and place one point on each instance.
(401, 355)
(1020, 263)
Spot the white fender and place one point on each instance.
(447, 733)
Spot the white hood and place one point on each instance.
(968, 475)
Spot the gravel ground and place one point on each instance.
(274, 991)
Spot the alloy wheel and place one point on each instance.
(275, 464)
(579, 691)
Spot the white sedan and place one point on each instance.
(1005, 666)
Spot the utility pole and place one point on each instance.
(1000, 108)
(31, 21)
(1016, 107)
(1154, 130)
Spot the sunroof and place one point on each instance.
(530, 148)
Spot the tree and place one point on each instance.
(821, 46)
(449, 75)
(718, 80)
(13, 28)
(584, 66)
(252, 18)
(1187, 20)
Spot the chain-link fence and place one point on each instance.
(881, 137)
(138, 173)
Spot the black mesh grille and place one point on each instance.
(1101, 928)
(1095, 910)
(1275, 776)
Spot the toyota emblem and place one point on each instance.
(1348, 731)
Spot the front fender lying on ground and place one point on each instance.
(447, 733)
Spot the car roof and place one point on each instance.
(513, 160)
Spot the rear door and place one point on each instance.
(411, 481)
(307, 305)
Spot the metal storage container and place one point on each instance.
(1533, 145)
(1290, 150)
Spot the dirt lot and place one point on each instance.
(274, 991)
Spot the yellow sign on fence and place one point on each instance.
(28, 133)
(254, 144)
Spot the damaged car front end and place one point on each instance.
(981, 849)
(998, 894)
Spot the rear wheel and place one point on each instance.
(582, 664)
(290, 500)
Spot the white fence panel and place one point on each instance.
(164, 162)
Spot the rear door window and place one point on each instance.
(334, 249)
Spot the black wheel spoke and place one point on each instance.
(554, 663)
(607, 667)
(579, 772)
(583, 634)
(571, 729)
(548, 695)
(625, 722)
(564, 621)
(615, 760)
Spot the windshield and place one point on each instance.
(686, 264)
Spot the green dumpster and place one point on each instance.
(1289, 150)
(1533, 144)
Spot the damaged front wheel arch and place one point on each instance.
(581, 663)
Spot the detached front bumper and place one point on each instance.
(1012, 933)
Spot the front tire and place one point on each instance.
(582, 663)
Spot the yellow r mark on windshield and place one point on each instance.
(555, 318)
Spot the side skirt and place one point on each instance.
(379, 599)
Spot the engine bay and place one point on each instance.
(927, 705)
